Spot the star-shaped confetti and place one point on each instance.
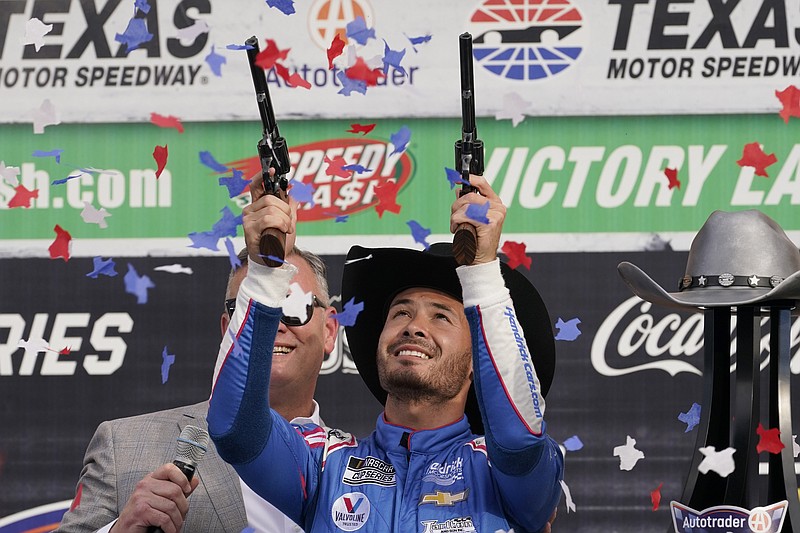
(106, 267)
(720, 462)
(387, 198)
(90, 215)
(137, 285)
(175, 268)
(349, 313)
(23, 197)
(336, 167)
(335, 50)
(454, 177)
(215, 62)
(349, 85)
(233, 257)
(478, 212)
(302, 192)
(400, 140)
(61, 245)
(790, 98)
(392, 58)
(419, 233)
(672, 178)
(167, 361)
(691, 418)
(655, 496)
(769, 440)
(204, 239)
(208, 160)
(227, 224)
(160, 154)
(361, 128)
(567, 497)
(166, 121)
(9, 174)
(567, 331)
(361, 71)
(754, 156)
(35, 30)
(573, 444)
(44, 116)
(270, 55)
(628, 454)
(191, 33)
(284, 6)
(514, 108)
(516, 253)
(358, 31)
(235, 184)
(135, 34)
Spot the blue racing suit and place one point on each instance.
(396, 480)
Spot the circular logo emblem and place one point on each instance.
(326, 18)
(350, 511)
(726, 279)
(527, 39)
(759, 521)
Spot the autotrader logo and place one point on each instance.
(527, 39)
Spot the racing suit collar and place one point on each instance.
(390, 436)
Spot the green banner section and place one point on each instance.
(556, 175)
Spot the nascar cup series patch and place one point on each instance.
(729, 519)
(350, 511)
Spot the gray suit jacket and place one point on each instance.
(125, 450)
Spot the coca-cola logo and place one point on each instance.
(672, 343)
(371, 163)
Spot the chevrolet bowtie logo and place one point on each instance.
(444, 498)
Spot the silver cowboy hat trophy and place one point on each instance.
(737, 258)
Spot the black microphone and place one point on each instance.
(192, 445)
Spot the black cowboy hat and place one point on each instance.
(375, 276)
(737, 258)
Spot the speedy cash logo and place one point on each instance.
(327, 18)
(527, 39)
(334, 196)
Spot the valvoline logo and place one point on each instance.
(527, 39)
(338, 192)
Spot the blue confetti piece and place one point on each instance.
(568, 331)
(419, 40)
(166, 362)
(204, 239)
(302, 192)
(691, 418)
(235, 184)
(358, 31)
(419, 233)
(232, 255)
(64, 180)
(342, 218)
(208, 160)
(226, 226)
(350, 85)
(215, 62)
(135, 34)
(104, 267)
(271, 257)
(349, 313)
(392, 58)
(573, 444)
(52, 153)
(359, 169)
(137, 285)
(284, 6)
(454, 177)
(400, 139)
(239, 47)
(478, 212)
(142, 6)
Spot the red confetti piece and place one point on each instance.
(77, 500)
(672, 176)
(269, 56)
(360, 71)
(387, 198)
(769, 440)
(337, 46)
(166, 122)
(65, 351)
(293, 80)
(516, 254)
(335, 167)
(160, 154)
(754, 156)
(60, 246)
(790, 98)
(655, 496)
(23, 197)
(361, 128)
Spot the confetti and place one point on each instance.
(191, 33)
(573, 444)
(9, 174)
(349, 313)
(62, 181)
(166, 122)
(628, 454)
(61, 245)
(302, 192)
(23, 197)
(142, 6)
(354, 128)
(208, 160)
(270, 55)
(567, 496)
(204, 239)
(392, 58)
(160, 154)
(137, 285)
(293, 80)
(296, 304)
(232, 255)
(769, 440)
(284, 6)
(655, 496)
(106, 267)
(49, 153)
(454, 177)
(349, 85)
(790, 98)
(478, 212)
(90, 215)
(174, 269)
(44, 116)
(239, 47)
(342, 218)
(720, 462)
(35, 30)
(358, 169)
(215, 62)
(76, 501)
(361, 71)
(235, 184)
(514, 107)
(358, 31)
(135, 34)
(419, 233)
(400, 140)
(567, 331)
(691, 418)
(516, 254)
(167, 360)
(753, 156)
(227, 224)
(672, 177)
(387, 198)
(422, 39)
(336, 167)
(335, 50)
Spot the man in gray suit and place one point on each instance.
(128, 481)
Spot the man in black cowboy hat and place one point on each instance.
(427, 329)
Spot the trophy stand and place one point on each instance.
(727, 422)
